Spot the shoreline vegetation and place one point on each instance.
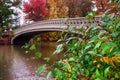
(5, 38)
(4, 41)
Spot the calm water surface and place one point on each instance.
(16, 64)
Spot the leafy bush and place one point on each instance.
(93, 55)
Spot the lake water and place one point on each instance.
(17, 63)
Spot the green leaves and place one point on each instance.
(114, 34)
(58, 49)
(58, 74)
(97, 45)
(38, 54)
(72, 59)
(106, 72)
(33, 47)
(118, 2)
(98, 73)
(47, 59)
(26, 46)
(48, 74)
(41, 68)
(106, 48)
(91, 15)
(38, 39)
(101, 75)
(117, 21)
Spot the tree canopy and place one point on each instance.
(70, 8)
(35, 10)
(103, 5)
(78, 8)
(6, 12)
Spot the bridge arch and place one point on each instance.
(24, 33)
(23, 37)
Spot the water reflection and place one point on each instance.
(6, 58)
(47, 50)
(15, 64)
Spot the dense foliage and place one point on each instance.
(7, 13)
(50, 36)
(94, 55)
(57, 9)
(103, 5)
(69, 8)
(78, 8)
(36, 10)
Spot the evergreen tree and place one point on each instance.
(7, 13)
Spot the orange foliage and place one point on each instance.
(114, 60)
(78, 8)
(57, 9)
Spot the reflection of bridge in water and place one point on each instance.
(25, 33)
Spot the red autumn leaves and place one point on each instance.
(35, 10)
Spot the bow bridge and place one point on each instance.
(25, 33)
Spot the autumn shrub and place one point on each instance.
(50, 36)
